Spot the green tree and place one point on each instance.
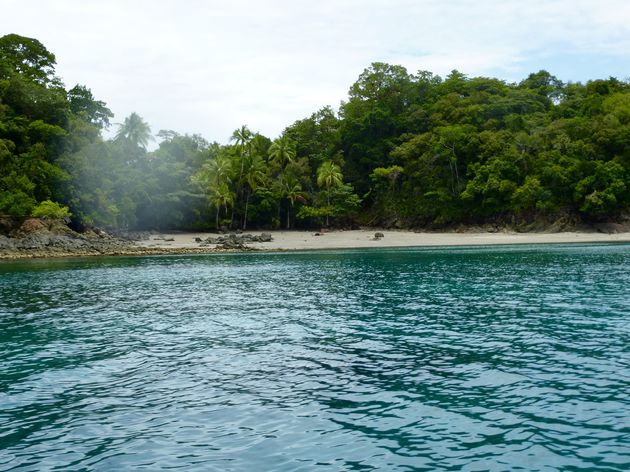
(134, 130)
(291, 190)
(28, 58)
(49, 209)
(221, 196)
(373, 119)
(329, 176)
(282, 151)
(214, 179)
(83, 104)
(256, 178)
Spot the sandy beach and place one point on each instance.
(305, 240)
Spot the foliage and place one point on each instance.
(419, 149)
(28, 58)
(50, 209)
(134, 131)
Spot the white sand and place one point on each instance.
(299, 240)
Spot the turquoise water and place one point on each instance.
(504, 358)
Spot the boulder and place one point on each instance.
(231, 244)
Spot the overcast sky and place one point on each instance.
(208, 67)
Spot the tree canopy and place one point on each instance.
(404, 149)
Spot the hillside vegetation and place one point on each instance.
(406, 150)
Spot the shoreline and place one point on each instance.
(287, 241)
(363, 239)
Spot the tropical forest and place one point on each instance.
(404, 149)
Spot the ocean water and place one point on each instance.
(496, 358)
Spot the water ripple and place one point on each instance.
(459, 359)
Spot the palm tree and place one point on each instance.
(218, 170)
(329, 176)
(134, 130)
(214, 179)
(291, 189)
(255, 176)
(243, 138)
(221, 196)
(282, 151)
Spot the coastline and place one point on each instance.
(173, 243)
(359, 239)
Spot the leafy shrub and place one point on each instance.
(50, 209)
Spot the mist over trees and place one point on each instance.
(404, 149)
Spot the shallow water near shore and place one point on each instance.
(475, 358)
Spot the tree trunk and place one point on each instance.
(328, 204)
(456, 171)
(279, 214)
(239, 189)
(233, 210)
(288, 216)
(216, 219)
(245, 217)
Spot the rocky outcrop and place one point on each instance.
(6, 244)
(37, 237)
(236, 241)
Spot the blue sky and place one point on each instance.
(207, 67)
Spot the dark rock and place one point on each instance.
(233, 240)
(231, 244)
(610, 228)
(198, 240)
(132, 235)
(46, 237)
(6, 243)
(9, 224)
(378, 235)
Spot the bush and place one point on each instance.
(50, 209)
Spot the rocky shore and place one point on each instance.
(38, 238)
(41, 238)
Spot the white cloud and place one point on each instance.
(210, 66)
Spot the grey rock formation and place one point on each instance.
(236, 241)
